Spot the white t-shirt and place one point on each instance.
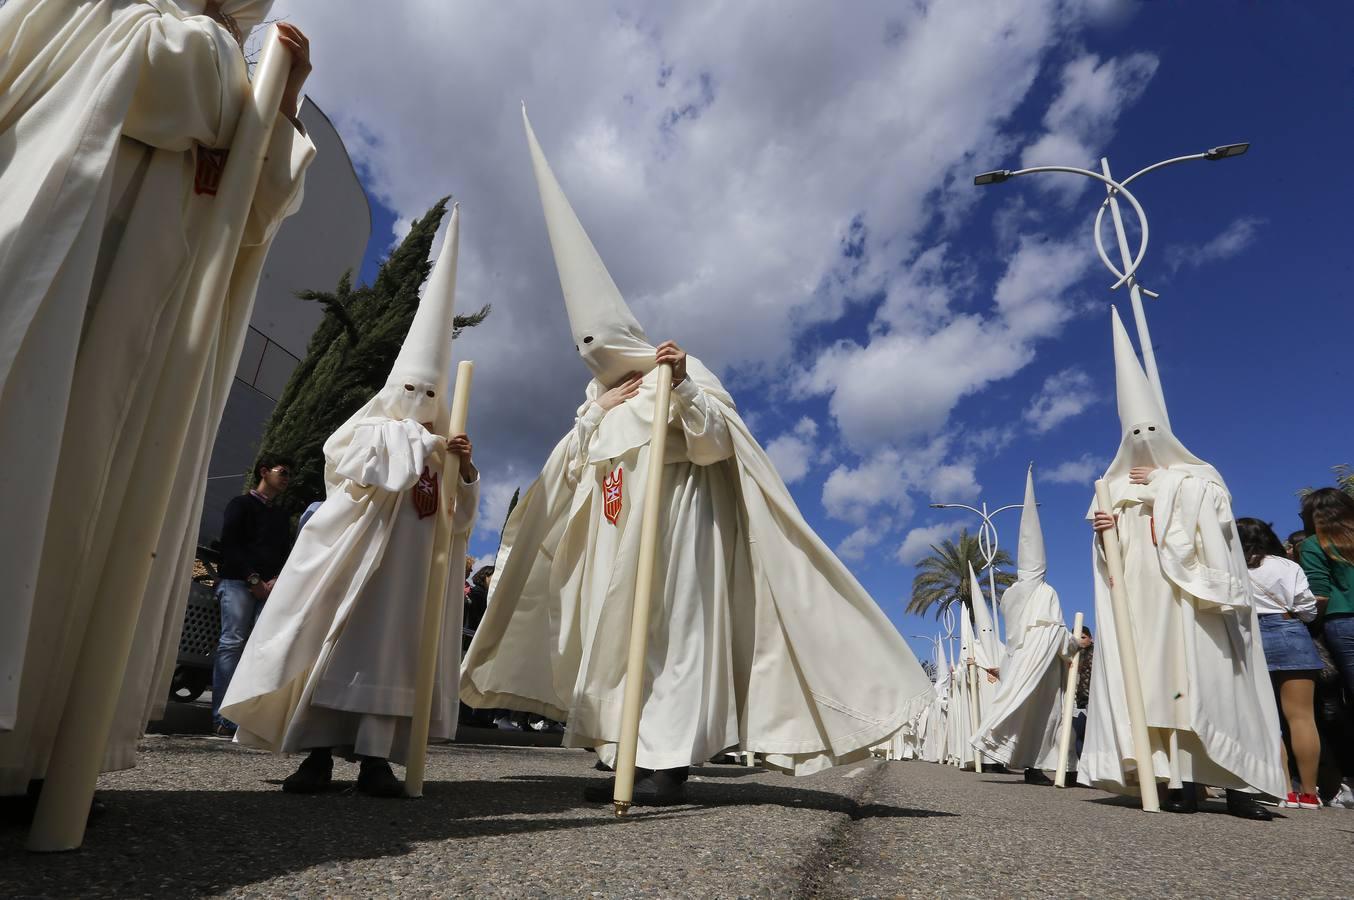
(1279, 585)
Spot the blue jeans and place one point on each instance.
(1079, 729)
(1339, 634)
(239, 611)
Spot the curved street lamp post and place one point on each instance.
(1129, 260)
(987, 546)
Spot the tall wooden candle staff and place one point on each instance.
(1128, 658)
(448, 550)
(1069, 708)
(628, 747)
(82, 737)
(450, 421)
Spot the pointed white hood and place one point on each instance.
(606, 334)
(982, 617)
(1031, 560)
(1031, 601)
(967, 646)
(1147, 439)
(418, 387)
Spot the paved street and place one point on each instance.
(200, 817)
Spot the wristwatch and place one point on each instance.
(253, 580)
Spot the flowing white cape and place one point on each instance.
(827, 675)
(1020, 728)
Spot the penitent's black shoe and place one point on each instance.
(1036, 776)
(1244, 806)
(315, 774)
(665, 787)
(1184, 800)
(375, 779)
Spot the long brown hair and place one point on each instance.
(1328, 513)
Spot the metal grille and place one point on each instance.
(201, 626)
(202, 616)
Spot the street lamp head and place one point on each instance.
(940, 505)
(993, 177)
(1226, 151)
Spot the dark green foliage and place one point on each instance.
(349, 357)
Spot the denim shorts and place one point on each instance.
(1288, 646)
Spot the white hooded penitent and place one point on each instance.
(333, 658)
(1209, 705)
(109, 204)
(767, 621)
(1020, 727)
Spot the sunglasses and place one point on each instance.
(283, 471)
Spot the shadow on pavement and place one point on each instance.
(706, 794)
(191, 843)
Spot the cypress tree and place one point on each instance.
(349, 357)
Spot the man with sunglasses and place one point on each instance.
(255, 539)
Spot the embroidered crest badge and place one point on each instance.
(210, 164)
(427, 494)
(612, 495)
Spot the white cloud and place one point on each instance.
(1083, 470)
(1081, 118)
(791, 456)
(1233, 239)
(954, 482)
(1064, 394)
(862, 540)
(919, 541)
(903, 384)
(851, 493)
(495, 495)
(806, 428)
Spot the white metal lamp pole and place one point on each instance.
(1129, 261)
(987, 546)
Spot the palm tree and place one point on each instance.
(942, 578)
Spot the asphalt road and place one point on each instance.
(201, 817)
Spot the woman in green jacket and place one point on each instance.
(1327, 556)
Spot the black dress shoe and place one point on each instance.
(375, 779)
(662, 788)
(315, 774)
(1244, 806)
(1036, 776)
(1182, 800)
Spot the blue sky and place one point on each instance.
(786, 190)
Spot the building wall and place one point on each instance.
(312, 250)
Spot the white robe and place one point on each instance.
(759, 637)
(933, 745)
(332, 660)
(1020, 726)
(106, 111)
(1210, 706)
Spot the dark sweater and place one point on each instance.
(255, 538)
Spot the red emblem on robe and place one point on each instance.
(612, 495)
(210, 164)
(427, 494)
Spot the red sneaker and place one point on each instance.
(1291, 801)
(1308, 801)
